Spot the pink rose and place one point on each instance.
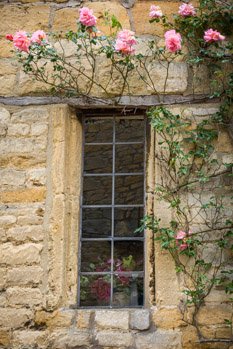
(39, 36)
(187, 10)
(155, 12)
(213, 36)
(172, 41)
(101, 289)
(86, 17)
(21, 41)
(183, 247)
(125, 41)
(180, 235)
(9, 37)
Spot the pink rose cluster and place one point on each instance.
(213, 36)
(172, 40)
(125, 42)
(86, 17)
(22, 40)
(186, 10)
(181, 240)
(155, 12)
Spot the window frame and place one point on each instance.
(113, 114)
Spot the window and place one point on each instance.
(111, 263)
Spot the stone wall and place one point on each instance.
(40, 174)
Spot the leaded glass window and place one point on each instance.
(111, 261)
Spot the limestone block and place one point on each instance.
(114, 338)
(29, 338)
(24, 296)
(36, 177)
(28, 85)
(4, 115)
(167, 318)
(5, 337)
(3, 272)
(18, 130)
(12, 178)
(29, 18)
(38, 129)
(10, 318)
(140, 12)
(6, 48)
(140, 319)
(3, 299)
(23, 254)
(30, 275)
(159, 339)
(201, 110)
(83, 318)
(30, 219)
(61, 318)
(6, 221)
(225, 143)
(17, 145)
(32, 233)
(8, 71)
(3, 130)
(177, 80)
(31, 115)
(70, 339)
(23, 196)
(215, 314)
(66, 48)
(112, 319)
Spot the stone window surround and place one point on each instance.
(63, 210)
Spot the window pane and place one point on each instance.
(127, 220)
(129, 190)
(96, 222)
(129, 158)
(127, 290)
(129, 130)
(98, 159)
(95, 290)
(128, 256)
(98, 130)
(96, 256)
(97, 190)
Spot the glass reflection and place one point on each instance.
(97, 190)
(127, 290)
(98, 130)
(98, 159)
(129, 130)
(96, 222)
(127, 220)
(95, 290)
(128, 256)
(129, 158)
(129, 190)
(96, 256)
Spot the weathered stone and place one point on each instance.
(23, 196)
(18, 130)
(30, 115)
(3, 299)
(26, 233)
(30, 275)
(159, 339)
(70, 339)
(176, 82)
(4, 115)
(36, 177)
(24, 296)
(3, 272)
(12, 178)
(10, 318)
(114, 338)
(213, 315)
(3, 130)
(16, 255)
(7, 78)
(112, 319)
(29, 18)
(6, 221)
(5, 337)
(140, 13)
(38, 129)
(167, 318)
(201, 110)
(83, 318)
(140, 319)
(28, 337)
